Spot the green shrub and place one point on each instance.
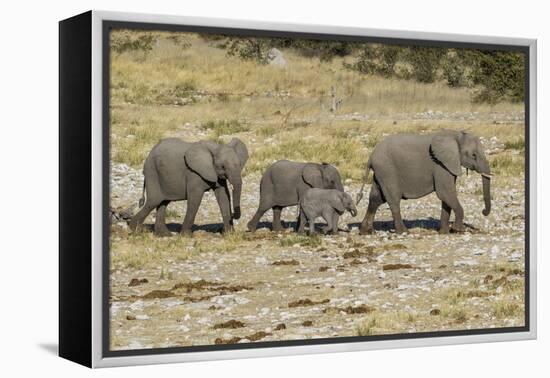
(424, 62)
(126, 40)
(500, 74)
(454, 71)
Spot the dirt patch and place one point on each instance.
(356, 262)
(397, 266)
(158, 294)
(285, 262)
(350, 310)
(233, 340)
(356, 253)
(394, 247)
(210, 286)
(232, 324)
(307, 302)
(307, 323)
(201, 298)
(323, 268)
(137, 281)
(280, 327)
(258, 336)
(198, 285)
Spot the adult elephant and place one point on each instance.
(176, 170)
(410, 166)
(284, 183)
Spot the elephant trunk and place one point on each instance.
(485, 172)
(486, 194)
(237, 188)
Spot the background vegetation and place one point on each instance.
(214, 86)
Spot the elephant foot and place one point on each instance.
(251, 226)
(186, 232)
(163, 232)
(228, 229)
(444, 231)
(401, 230)
(277, 228)
(458, 229)
(366, 231)
(133, 225)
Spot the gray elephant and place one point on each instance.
(284, 183)
(176, 170)
(326, 203)
(410, 166)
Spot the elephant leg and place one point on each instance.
(335, 218)
(392, 194)
(445, 188)
(160, 222)
(277, 226)
(222, 196)
(375, 200)
(445, 215)
(253, 224)
(193, 202)
(301, 221)
(329, 219)
(137, 220)
(311, 222)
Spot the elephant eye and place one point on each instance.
(474, 155)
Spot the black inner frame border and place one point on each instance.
(108, 25)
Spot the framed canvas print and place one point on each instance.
(232, 189)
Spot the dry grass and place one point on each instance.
(174, 91)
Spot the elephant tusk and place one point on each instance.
(486, 175)
(230, 186)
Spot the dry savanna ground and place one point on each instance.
(243, 287)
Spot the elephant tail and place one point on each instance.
(365, 178)
(142, 199)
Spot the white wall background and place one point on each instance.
(28, 186)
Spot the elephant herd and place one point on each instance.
(405, 166)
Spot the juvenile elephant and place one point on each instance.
(284, 183)
(176, 170)
(326, 203)
(410, 166)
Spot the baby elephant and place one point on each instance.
(326, 203)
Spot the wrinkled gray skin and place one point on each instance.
(176, 170)
(410, 166)
(326, 203)
(284, 183)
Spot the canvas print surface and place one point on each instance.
(274, 189)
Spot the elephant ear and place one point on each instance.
(445, 150)
(240, 149)
(200, 160)
(312, 175)
(337, 202)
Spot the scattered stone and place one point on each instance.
(323, 269)
(275, 57)
(280, 326)
(435, 312)
(307, 323)
(130, 317)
